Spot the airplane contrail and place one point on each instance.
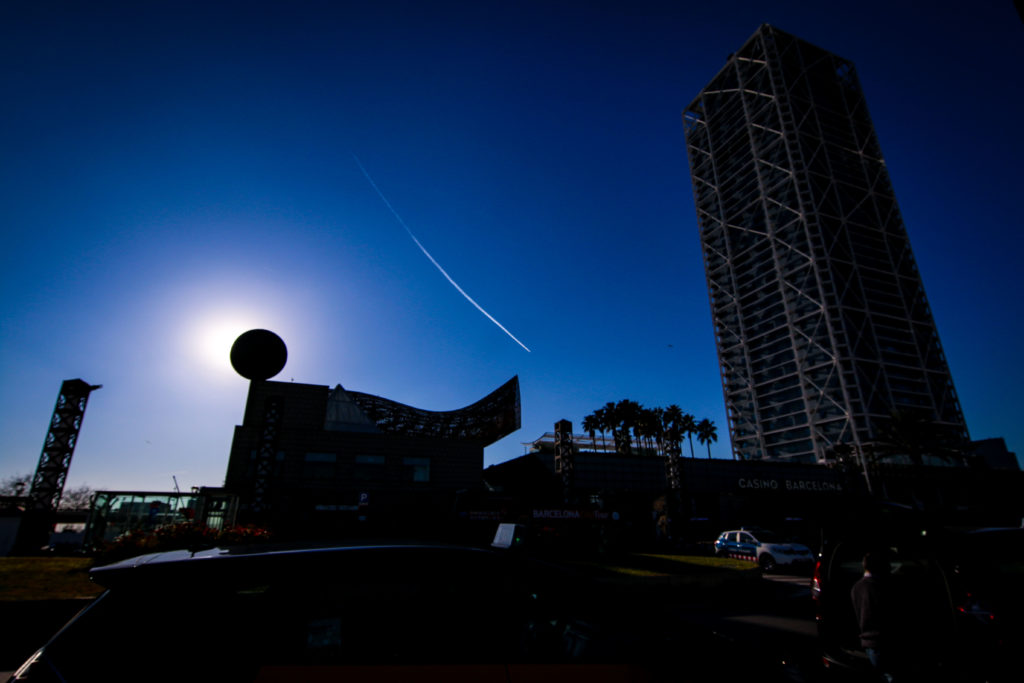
(432, 259)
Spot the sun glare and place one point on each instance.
(215, 335)
(216, 310)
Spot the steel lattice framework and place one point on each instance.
(820, 315)
(54, 461)
(673, 467)
(565, 456)
(265, 457)
(489, 419)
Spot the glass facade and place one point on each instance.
(115, 512)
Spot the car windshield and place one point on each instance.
(767, 537)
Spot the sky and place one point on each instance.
(173, 174)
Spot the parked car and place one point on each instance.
(766, 547)
(956, 609)
(388, 612)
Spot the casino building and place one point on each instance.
(790, 497)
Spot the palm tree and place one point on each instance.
(656, 429)
(671, 419)
(641, 428)
(627, 413)
(688, 426)
(644, 429)
(609, 423)
(706, 433)
(592, 425)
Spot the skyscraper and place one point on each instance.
(820, 316)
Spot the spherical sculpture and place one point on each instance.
(258, 354)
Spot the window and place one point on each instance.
(370, 467)
(416, 469)
(319, 465)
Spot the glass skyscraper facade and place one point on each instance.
(821, 320)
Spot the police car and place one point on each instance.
(761, 545)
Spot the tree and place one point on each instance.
(623, 417)
(642, 429)
(592, 425)
(609, 422)
(655, 430)
(16, 485)
(688, 426)
(671, 421)
(706, 433)
(77, 498)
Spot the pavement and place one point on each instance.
(780, 625)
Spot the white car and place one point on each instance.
(764, 546)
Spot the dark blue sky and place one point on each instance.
(174, 174)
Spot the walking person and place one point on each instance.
(872, 605)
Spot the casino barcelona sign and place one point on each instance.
(804, 485)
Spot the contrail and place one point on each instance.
(432, 259)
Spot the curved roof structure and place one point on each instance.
(494, 416)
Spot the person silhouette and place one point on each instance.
(872, 606)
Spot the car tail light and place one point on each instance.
(972, 607)
(816, 590)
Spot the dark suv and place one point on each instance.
(955, 598)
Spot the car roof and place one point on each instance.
(232, 558)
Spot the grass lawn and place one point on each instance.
(688, 568)
(59, 578)
(46, 578)
(630, 571)
(705, 561)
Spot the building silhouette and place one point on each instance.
(313, 461)
(824, 333)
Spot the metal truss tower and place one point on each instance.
(820, 316)
(565, 457)
(52, 471)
